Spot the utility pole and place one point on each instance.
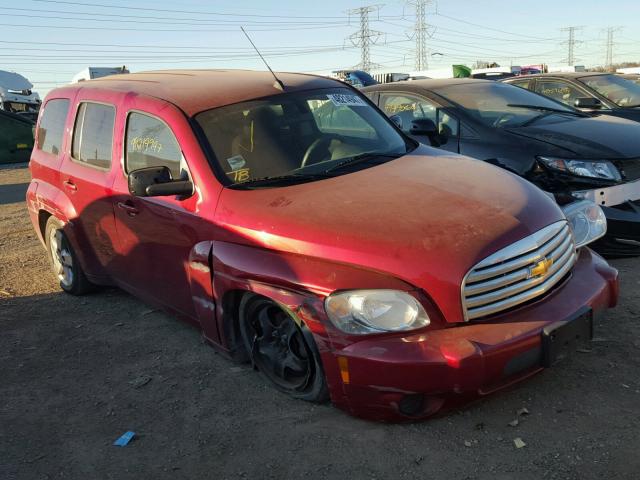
(571, 44)
(365, 37)
(609, 60)
(420, 33)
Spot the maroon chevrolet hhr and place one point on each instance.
(302, 232)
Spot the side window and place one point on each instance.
(522, 83)
(339, 119)
(150, 143)
(51, 128)
(93, 135)
(447, 124)
(560, 91)
(407, 108)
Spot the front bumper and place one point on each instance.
(396, 378)
(621, 206)
(623, 231)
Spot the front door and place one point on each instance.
(155, 234)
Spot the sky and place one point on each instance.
(49, 41)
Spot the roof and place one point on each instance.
(427, 84)
(564, 75)
(194, 91)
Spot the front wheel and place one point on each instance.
(63, 259)
(279, 348)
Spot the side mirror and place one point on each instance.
(588, 103)
(397, 120)
(157, 182)
(423, 126)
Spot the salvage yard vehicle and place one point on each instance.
(633, 77)
(17, 96)
(560, 149)
(300, 230)
(16, 137)
(588, 91)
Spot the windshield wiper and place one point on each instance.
(280, 180)
(363, 157)
(547, 109)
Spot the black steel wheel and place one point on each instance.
(281, 349)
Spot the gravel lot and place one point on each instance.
(76, 373)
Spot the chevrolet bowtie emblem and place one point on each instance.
(541, 268)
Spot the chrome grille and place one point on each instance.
(520, 272)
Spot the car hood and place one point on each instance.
(628, 113)
(425, 218)
(603, 136)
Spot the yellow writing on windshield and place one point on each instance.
(241, 175)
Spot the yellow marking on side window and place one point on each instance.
(406, 107)
(145, 144)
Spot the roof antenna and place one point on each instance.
(278, 83)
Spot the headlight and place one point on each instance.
(373, 311)
(583, 168)
(587, 221)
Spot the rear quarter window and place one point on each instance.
(51, 127)
(93, 134)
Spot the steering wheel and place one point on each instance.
(317, 146)
(503, 119)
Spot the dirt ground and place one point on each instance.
(76, 373)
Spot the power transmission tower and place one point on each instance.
(609, 60)
(420, 33)
(365, 37)
(571, 44)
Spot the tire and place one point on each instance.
(281, 349)
(64, 261)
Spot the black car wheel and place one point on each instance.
(280, 350)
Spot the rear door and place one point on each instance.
(406, 107)
(86, 178)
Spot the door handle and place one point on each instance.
(69, 185)
(130, 209)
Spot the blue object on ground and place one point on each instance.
(124, 439)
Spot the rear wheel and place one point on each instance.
(63, 259)
(281, 349)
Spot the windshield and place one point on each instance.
(299, 133)
(620, 91)
(499, 104)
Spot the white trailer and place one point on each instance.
(630, 70)
(90, 73)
